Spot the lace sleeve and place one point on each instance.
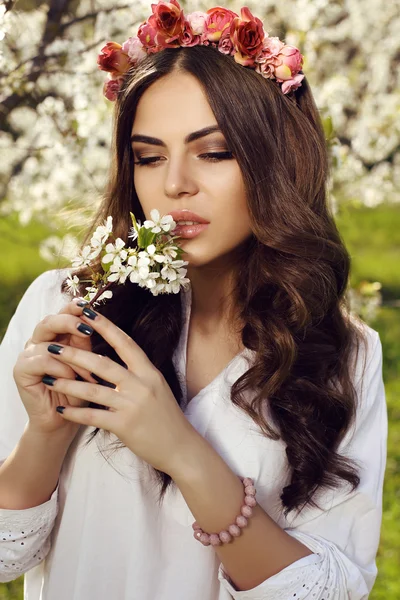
(24, 534)
(325, 575)
(25, 537)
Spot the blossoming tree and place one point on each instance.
(56, 124)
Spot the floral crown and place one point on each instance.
(241, 37)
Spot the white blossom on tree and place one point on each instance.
(55, 127)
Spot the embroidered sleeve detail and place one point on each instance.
(25, 537)
(325, 575)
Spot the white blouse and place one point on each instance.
(102, 534)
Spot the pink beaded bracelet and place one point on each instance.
(234, 530)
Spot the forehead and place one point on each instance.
(176, 104)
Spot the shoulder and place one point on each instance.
(367, 352)
(44, 293)
(367, 378)
(42, 297)
(46, 289)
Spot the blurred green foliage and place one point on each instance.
(372, 236)
(373, 239)
(19, 247)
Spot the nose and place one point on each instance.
(179, 180)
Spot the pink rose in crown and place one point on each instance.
(266, 69)
(247, 35)
(270, 49)
(133, 47)
(113, 59)
(197, 21)
(112, 87)
(218, 21)
(225, 44)
(187, 37)
(147, 33)
(292, 84)
(291, 62)
(280, 62)
(267, 60)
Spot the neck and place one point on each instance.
(213, 301)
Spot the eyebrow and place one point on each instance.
(189, 138)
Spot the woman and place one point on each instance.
(255, 374)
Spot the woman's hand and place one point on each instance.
(142, 410)
(35, 362)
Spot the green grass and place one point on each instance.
(387, 586)
(372, 236)
(21, 263)
(12, 590)
(20, 245)
(373, 239)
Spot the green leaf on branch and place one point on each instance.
(328, 126)
(135, 225)
(146, 237)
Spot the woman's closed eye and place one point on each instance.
(208, 156)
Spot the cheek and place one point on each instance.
(232, 215)
(139, 182)
(234, 228)
(233, 202)
(146, 188)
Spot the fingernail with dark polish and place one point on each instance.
(86, 329)
(89, 313)
(49, 380)
(55, 348)
(79, 378)
(82, 303)
(97, 378)
(103, 381)
(60, 409)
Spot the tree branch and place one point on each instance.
(9, 5)
(56, 10)
(92, 15)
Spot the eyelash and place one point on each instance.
(209, 156)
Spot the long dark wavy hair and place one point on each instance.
(292, 273)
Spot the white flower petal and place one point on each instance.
(117, 262)
(133, 234)
(155, 215)
(143, 261)
(95, 253)
(134, 277)
(105, 295)
(143, 271)
(132, 260)
(119, 244)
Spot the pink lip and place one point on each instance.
(186, 215)
(189, 231)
